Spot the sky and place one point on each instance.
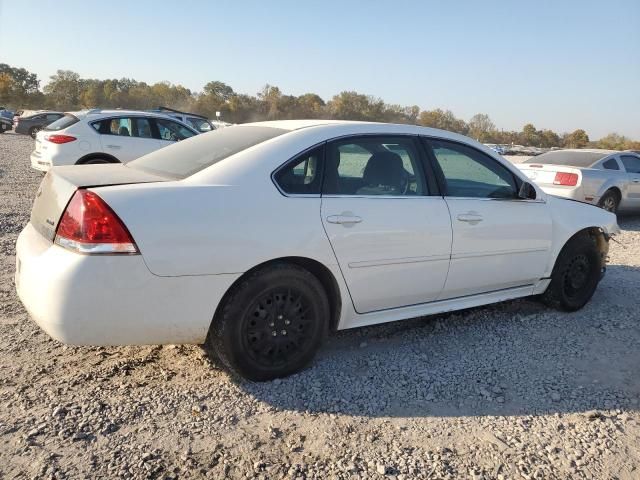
(561, 65)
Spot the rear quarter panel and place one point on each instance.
(187, 229)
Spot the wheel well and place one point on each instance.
(322, 273)
(93, 156)
(594, 232)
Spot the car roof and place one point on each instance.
(98, 113)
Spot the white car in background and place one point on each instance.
(105, 136)
(258, 239)
(607, 178)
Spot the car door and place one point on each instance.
(169, 131)
(499, 240)
(127, 138)
(389, 230)
(631, 165)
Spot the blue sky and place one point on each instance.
(559, 64)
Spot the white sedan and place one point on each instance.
(259, 239)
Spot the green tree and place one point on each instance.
(481, 127)
(63, 90)
(444, 120)
(577, 139)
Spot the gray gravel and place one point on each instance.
(507, 391)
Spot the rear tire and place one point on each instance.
(271, 324)
(575, 275)
(610, 201)
(33, 131)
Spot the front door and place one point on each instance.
(632, 166)
(391, 238)
(499, 240)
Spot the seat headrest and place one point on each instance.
(385, 168)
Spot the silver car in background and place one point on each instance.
(607, 178)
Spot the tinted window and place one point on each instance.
(172, 131)
(470, 173)
(611, 164)
(52, 116)
(568, 157)
(374, 166)
(199, 124)
(631, 163)
(66, 121)
(185, 159)
(302, 175)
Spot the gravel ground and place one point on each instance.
(507, 391)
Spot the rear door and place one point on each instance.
(499, 240)
(127, 138)
(390, 231)
(631, 165)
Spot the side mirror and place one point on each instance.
(527, 191)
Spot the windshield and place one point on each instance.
(62, 122)
(191, 156)
(566, 157)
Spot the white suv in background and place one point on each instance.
(105, 136)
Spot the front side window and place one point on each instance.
(172, 131)
(470, 173)
(631, 163)
(610, 164)
(380, 166)
(199, 124)
(303, 175)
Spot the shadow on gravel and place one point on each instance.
(514, 358)
(629, 222)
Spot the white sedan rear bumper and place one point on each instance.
(111, 299)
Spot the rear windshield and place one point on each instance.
(62, 122)
(191, 156)
(573, 159)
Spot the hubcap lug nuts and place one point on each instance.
(279, 317)
(272, 324)
(284, 332)
(274, 333)
(287, 322)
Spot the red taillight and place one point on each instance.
(566, 179)
(88, 225)
(59, 139)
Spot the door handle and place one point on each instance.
(470, 217)
(344, 219)
(113, 146)
(636, 180)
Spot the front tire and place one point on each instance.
(271, 324)
(576, 274)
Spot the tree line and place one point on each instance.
(66, 90)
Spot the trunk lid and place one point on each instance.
(60, 183)
(545, 174)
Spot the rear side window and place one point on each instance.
(631, 163)
(470, 173)
(125, 127)
(374, 165)
(303, 175)
(62, 123)
(611, 164)
(184, 159)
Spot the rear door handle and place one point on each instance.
(470, 217)
(113, 146)
(343, 219)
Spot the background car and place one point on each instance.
(6, 120)
(607, 178)
(105, 136)
(31, 125)
(199, 122)
(259, 239)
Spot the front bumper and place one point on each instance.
(111, 299)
